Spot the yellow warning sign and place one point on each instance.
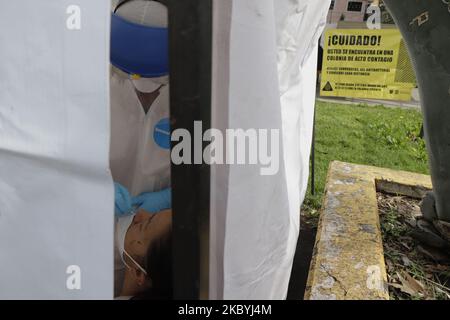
(371, 64)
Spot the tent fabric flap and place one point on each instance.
(264, 78)
(56, 194)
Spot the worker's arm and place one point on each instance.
(122, 200)
(154, 201)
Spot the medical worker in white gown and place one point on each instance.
(140, 129)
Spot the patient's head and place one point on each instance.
(149, 242)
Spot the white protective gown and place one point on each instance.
(140, 143)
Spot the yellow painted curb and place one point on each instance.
(348, 258)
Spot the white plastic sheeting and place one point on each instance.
(56, 194)
(264, 77)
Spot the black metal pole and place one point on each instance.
(313, 157)
(190, 33)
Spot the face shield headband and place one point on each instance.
(137, 49)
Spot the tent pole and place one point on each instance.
(313, 157)
(190, 42)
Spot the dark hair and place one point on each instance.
(158, 264)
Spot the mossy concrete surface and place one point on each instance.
(348, 259)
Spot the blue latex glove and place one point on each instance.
(122, 200)
(154, 202)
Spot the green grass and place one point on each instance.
(377, 136)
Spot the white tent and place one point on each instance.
(265, 76)
(56, 193)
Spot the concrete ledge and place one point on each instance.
(348, 258)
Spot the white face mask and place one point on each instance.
(123, 224)
(148, 85)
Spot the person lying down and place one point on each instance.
(143, 254)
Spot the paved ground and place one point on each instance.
(387, 103)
